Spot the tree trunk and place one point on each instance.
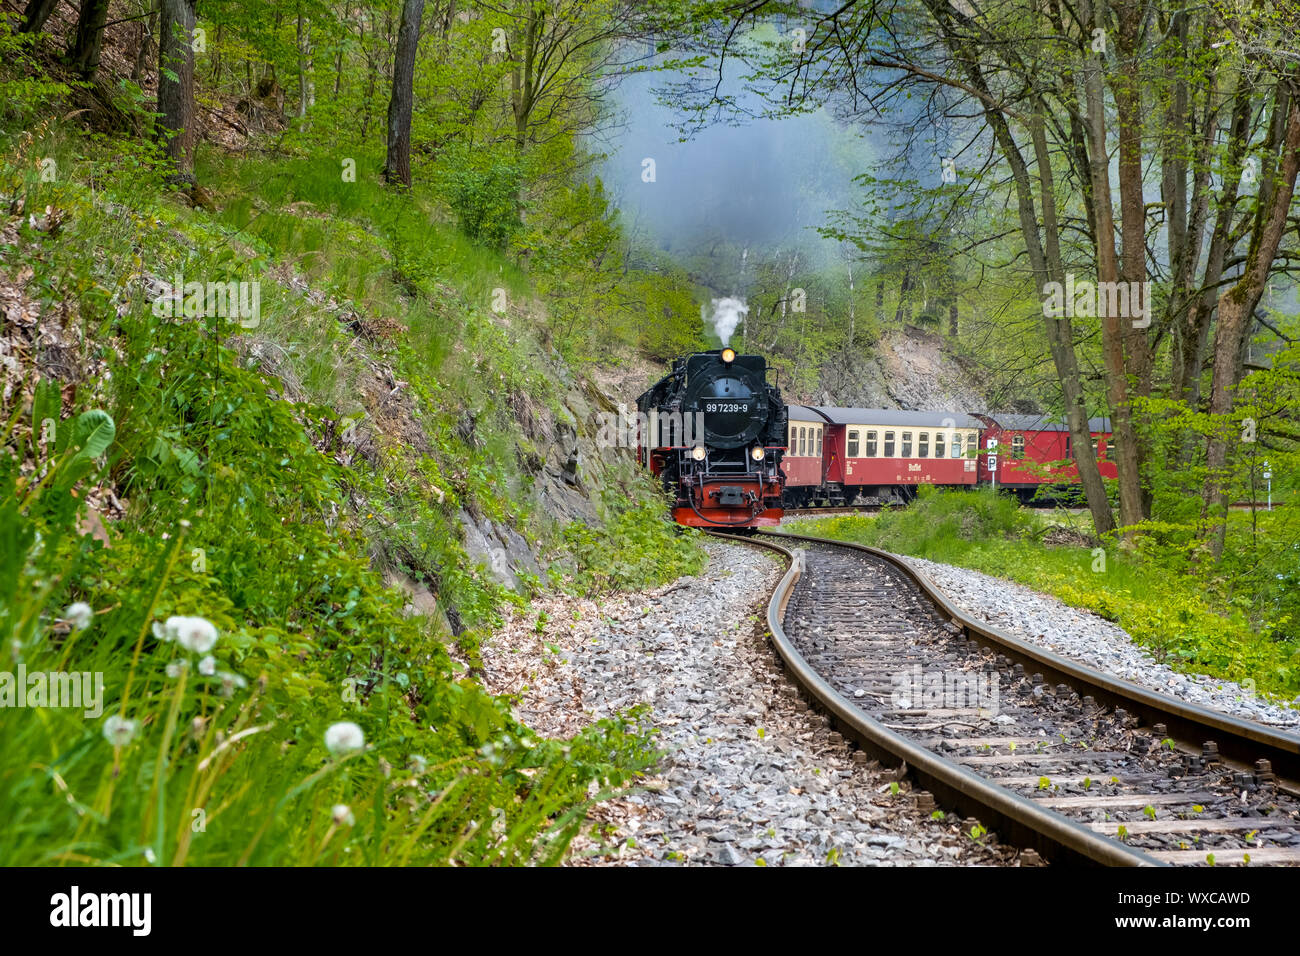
(176, 96)
(306, 87)
(1237, 308)
(37, 12)
(1060, 331)
(148, 30)
(1112, 326)
(523, 96)
(397, 168)
(84, 55)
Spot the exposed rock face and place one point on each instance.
(913, 369)
(567, 466)
(501, 550)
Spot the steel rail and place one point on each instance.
(1016, 819)
(1240, 742)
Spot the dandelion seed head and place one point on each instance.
(344, 737)
(194, 634)
(230, 683)
(342, 815)
(79, 615)
(208, 666)
(119, 731)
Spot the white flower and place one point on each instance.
(230, 682)
(344, 737)
(161, 633)
(119, 731)
(175, 668)
(208, 666)
(342, 815)
(149, 855)
(79, 615)
(193, 633)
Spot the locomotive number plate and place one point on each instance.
(742, 407)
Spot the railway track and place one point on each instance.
(1058, 758)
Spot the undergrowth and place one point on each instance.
(250, 504)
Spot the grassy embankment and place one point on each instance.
(267, 485)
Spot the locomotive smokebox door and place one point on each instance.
(731, 496)
(731, 396)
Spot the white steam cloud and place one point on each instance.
(727, 314)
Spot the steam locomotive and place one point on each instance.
(714, 432)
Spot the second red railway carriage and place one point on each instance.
(838, 456)
(1035, 450)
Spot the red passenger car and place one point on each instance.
(871, 455)
(1035, 450)
(804, 461)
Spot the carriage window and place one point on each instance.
(1018, 447)
(972, 445)
(907, 445)
(923, 445)
(956, 445)
(819, 443)
(1094, 446)
(889, 444)
(940, 439)
(853, 444)
(803, 441)
(871, 444)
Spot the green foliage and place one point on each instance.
(482, 189)
(634, 548)
(241, 511)
(24, 88)
(939, 520)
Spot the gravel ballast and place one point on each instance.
(751, 776)
(1094, 641)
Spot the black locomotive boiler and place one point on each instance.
(714, 431)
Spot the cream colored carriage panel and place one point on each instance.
(804, 438)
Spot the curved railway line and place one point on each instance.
(1058, 758)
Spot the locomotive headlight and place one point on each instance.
(756, 453)
(698, 452)
(728, 355)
